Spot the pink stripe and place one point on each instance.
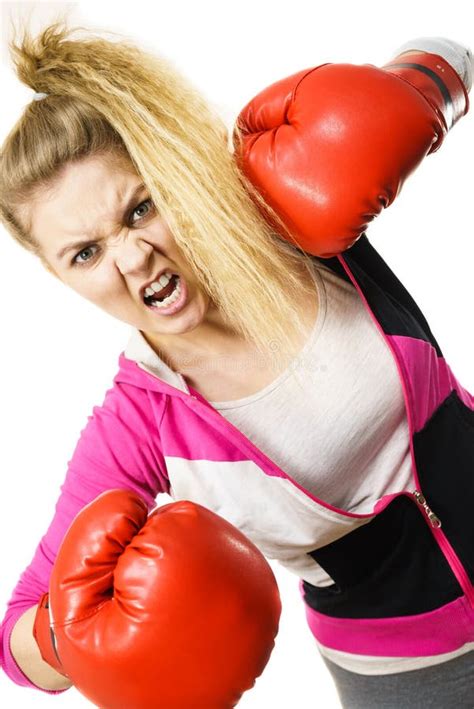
(429, 378)
(217, 447)
(442, 630)
(184, 436)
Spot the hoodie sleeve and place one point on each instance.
(118, 448)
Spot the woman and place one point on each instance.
(122, 183)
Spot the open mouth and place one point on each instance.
(166, 295)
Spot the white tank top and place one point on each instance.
(338, 427)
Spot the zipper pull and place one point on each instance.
(435, 521)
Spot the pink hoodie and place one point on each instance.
(155, 434)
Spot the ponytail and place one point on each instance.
(108, 96)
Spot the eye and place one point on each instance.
(75, 262)
(147, 201)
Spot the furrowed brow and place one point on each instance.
(84, 242)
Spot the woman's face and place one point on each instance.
(123, 245)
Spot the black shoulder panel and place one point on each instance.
(387, 297)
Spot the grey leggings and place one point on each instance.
(449, 685)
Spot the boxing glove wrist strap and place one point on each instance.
(44, 636)
(436, 79)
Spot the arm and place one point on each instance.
(115, 449)
(26, 653)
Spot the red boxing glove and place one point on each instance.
(175, 609)
(329, 147)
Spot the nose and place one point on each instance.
(133, 255)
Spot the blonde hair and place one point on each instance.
(112, 97)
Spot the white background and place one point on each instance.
(58, 353)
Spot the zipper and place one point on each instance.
(444, 543)
(431, 518)
(434, 520)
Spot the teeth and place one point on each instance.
(156, 286)
(171, 298)
(163, 281)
